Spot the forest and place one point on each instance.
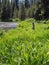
(13, 9)
(27, 41)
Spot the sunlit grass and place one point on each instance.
(25, 46)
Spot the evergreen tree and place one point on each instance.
(17, 3)
(8, 10)
(0, 8)
(27, 4)
(5, 15)
(38, 9)
(15, 12)
(22, 11)
(13, 4)
(45, 6)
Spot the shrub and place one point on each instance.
(16, 20)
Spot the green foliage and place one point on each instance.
(25, 46)
(16, 20)
(1, 32)
(30, 20)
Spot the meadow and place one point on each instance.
(25, 46)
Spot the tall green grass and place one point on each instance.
(25, 46)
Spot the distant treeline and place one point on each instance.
(9, 10)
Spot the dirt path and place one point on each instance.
(8, 25)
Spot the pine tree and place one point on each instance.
(8, 10)
(15, 12)
(27, 4)
(0, 8)
(22, 11)
(5, 15)
(13, 4)
(45, 6)
(17, 3)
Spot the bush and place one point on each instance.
(16, 20)
(30, 20)
(1, 32)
